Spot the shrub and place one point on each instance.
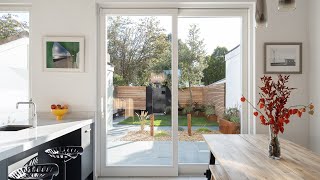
(210, 109)
(232, 114)
(167, 110)
(142, 117)
(180, 128)
(187, 109)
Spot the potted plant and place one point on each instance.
(210, 112)
(273, 111)
(230, 123)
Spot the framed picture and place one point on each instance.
(64, 54)
(283, 58)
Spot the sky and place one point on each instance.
(223, 32)
(214, 31)
(20, 16)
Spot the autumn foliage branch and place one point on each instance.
(271, 107)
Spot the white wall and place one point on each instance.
(63, 18)
(288, 27)
(233, 78)
(314, 36)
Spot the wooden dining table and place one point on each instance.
(246, 157)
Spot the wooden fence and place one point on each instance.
(184, 96)
(130, 97)
(134, 97)
(215, 93)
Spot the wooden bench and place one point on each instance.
(218, 173)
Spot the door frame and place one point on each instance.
(248, 71)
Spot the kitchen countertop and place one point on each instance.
(15, 142)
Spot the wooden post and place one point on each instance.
(189, 123)
(151, 125)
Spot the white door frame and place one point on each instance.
(246, 11)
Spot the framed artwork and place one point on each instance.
(283, 58)
(64, 54)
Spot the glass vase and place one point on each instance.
(274, 145)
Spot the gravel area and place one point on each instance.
(145, 136)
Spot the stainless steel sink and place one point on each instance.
(14, 127)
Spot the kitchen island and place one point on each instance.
(17, 147)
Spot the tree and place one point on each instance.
(133, 45)
(192, 59)
(216, 66)
(10, 26)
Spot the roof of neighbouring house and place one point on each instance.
(13, 44)
(233, 49)
(15, 37)
(232, 53)
(221, 81)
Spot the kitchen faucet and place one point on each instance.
(33, 111)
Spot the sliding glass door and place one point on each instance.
(167, 75)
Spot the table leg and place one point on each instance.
(211, 162)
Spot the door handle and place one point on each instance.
(88, 130)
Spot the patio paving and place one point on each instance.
(155, 153)
(152, 152)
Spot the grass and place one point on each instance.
(165, 120)
(161, 134)
(203, 130)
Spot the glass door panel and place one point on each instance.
(209, 81)
(139, 122)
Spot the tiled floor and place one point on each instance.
(155, 178)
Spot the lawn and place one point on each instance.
(165, 120)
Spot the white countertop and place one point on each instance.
(15, 142)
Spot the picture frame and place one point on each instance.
(283, 58)
(63, 54)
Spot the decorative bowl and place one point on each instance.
(59, 113)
